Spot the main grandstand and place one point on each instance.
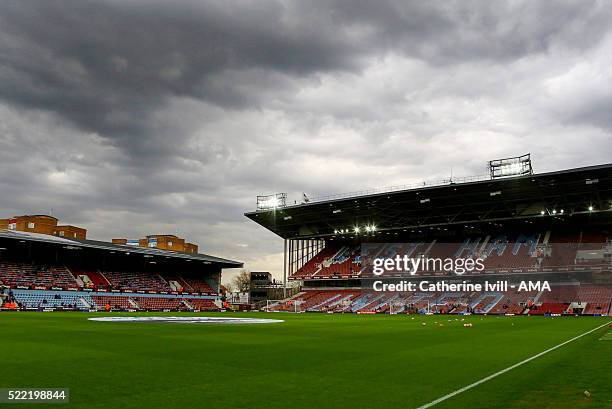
(46, 272)
(551, 226)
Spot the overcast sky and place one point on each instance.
(139, 117)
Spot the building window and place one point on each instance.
(169, 244)
(31, 225)
(61, 233)
(12, 226)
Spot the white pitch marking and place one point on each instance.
(188, 320)
(503, 371)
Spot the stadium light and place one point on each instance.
(271, 202)
(542, 212)
(590, 208)
(356, 229)
(516, 166)
(554, 211)
(562, 211)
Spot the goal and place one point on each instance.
(284, 306)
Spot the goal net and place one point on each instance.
(284, 306)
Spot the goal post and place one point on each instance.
(284, 306)
(396, 307)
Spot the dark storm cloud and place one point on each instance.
(157, 115)
(105, 65)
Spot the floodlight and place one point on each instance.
(516, 166)
(271, 202)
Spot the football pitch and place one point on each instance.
(310, 361)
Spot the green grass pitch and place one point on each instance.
(309, 361)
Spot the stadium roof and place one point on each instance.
(103, 245)
(561, 194)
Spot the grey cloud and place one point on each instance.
(105, 66)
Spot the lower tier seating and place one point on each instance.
(49, 299)
(598, 300)
(81, 300)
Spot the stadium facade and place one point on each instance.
(552, 227)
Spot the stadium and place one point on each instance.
(404, 347)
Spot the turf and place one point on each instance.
(309, 361)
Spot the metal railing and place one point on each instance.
(391, 189)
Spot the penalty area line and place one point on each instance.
(503, 371)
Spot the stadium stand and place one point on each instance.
(159, 304)
(96, 279)
(51, 299)
(197, 285)
(514, 302)
(115, 302)
(518, 252)
(598, 299)
(136, 281)
(201, 304)
(35, 276)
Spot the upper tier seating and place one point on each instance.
(136, 281)
(332, 262)
(97, 278)
(27, 275)
(197, 285)
(503, 252)
(525, 252)
(16, 275)
(315, 264)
